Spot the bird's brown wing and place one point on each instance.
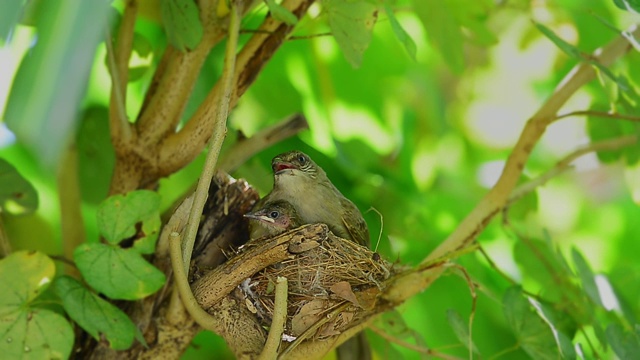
(354, 223)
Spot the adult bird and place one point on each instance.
(298, 180)
(272, 218)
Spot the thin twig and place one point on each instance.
(602, 114)
(565, 163)
(244, 149)
(410, 346)
(219, 133)
(270, 351)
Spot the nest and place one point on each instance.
(331, 288)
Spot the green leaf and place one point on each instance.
(97, 316)
(626, 344)
(567, 48)
(41, 115)
(351, 23)
(603, 129)
(135, 213)
(117, 273)
(629, 5)
(10, 12)
(35, 334)
(281, 13)
(17, 195)
(25, 275)
(575, 53)
(181, 20)
(461, 329)
(540, 261)
(400, 33)
(534, 332)
(26, 332)
(586, 276)
(96, 157)
(443, 30)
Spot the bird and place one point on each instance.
(305, 185)
(272, 218)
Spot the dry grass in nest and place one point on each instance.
(330, 287)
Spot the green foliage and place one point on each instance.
(281, 13)
(97, 316)
(122, 273)
(412, 137)
(351, 23)
(181, 20)
(61, 55)
(536, 332)
(17, 195)
(27, 330)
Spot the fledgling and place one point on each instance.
(298, 180)
(272, 219)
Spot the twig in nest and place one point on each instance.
(270, 350)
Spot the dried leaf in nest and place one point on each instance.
(331, 288)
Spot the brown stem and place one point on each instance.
(118, 59)
(70, 212)
(601, 114)
(564, 164)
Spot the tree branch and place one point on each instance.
(602, 114)
(245, 148)
(564, 164)
(270, 351)
(118, 60)
(180, 148)
(497, 197)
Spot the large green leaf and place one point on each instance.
(135, 213)
(443, 29)
(400, 32)
(9, 15)
(27, 332)
(98, 317)
(536, 332)
(116, 272)
(626, 344)
(461, 329)
(25, 275)
(50, 83)
(181, 20)
(629, 5)
(35, 334)
(586, 276)
(17, 195)
(351, 22)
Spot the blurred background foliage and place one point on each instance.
(419, 138)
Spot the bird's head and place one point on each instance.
(293, 162)
(277, 215)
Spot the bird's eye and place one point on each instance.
(274, 214)
(302, 159)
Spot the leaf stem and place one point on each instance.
(270, 351)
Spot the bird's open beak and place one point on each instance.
(278, 167)
(259, 217)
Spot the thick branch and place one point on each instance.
(497, 197)
(180, 148)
